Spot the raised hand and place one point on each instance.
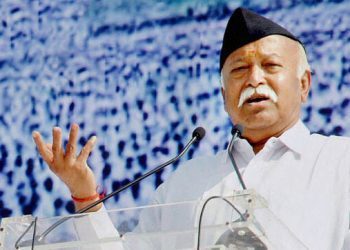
(71, 168)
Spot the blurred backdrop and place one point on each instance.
(141, 75)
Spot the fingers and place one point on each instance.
(57, 144)
(72, 141)
(86, 150)
(53, 154)
(44, 151)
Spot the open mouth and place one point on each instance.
(256, 99)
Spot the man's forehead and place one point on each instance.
(271, 46)
(242, 56)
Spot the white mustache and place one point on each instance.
(264, 90)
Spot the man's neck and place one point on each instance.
(257, 146)
(257, 139)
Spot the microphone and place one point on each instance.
(197, 135)
(236, 133)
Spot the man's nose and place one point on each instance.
(256, 76)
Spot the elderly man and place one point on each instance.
(265, 79)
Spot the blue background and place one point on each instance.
(141, 75)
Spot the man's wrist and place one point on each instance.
(87, 198)
(81, 205)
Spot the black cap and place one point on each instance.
(246, 26)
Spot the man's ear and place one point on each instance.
(223, 97)
(305, 85)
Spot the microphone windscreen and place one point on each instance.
(199, 133)
(237, 129)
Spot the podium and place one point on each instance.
(239, 221)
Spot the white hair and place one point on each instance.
(222, 80)
(303, 64)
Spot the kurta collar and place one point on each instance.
(294, 138)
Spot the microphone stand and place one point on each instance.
(236, 133)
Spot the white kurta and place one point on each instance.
(304, 178)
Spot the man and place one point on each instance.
(265, 79)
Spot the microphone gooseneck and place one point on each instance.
(236, 133)
(197, 135)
